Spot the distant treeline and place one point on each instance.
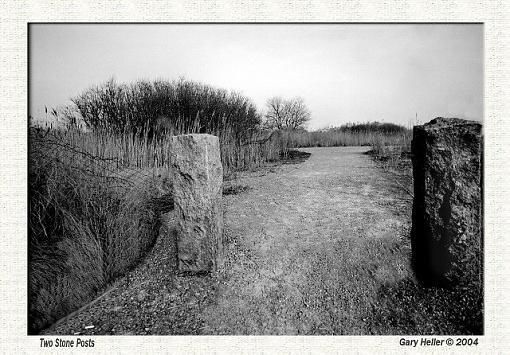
(352, 134)
(369, 127)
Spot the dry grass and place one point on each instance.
(304, 139)
(95, 199)
(96, 194)
(87, 223)
(98, 184)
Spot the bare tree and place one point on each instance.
(275, 116)
(282, 114)
(297, 113)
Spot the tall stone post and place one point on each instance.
(197, 177)
(446, 236)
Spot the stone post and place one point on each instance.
(446, 236)
(197, 177)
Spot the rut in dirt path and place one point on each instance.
(309, 246)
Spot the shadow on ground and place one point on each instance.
(408, 308)
(235, 189)
(294, 156)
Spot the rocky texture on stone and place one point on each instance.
(197, 176)
(447, 243)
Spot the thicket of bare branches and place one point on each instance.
(180, 106)
(286, 114)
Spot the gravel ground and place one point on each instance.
(151, 299)
(308, 247)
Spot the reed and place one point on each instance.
(373, 134)
(93, 187)
(91, 214)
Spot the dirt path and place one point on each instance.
(309, 247)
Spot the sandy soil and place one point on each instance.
(308, 247)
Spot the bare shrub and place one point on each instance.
(96, 193)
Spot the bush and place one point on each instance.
(96, 194)
(159, 109)
(167, 107)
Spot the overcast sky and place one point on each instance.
(345, 73)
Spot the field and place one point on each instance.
(99, 188)
(300, 260)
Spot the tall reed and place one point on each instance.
(362, 134)
(93, 210)
(91, 215)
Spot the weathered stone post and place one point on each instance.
(446, 236)
(197, 177)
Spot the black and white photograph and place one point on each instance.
(255, 179)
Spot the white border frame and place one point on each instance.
(13, 166)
